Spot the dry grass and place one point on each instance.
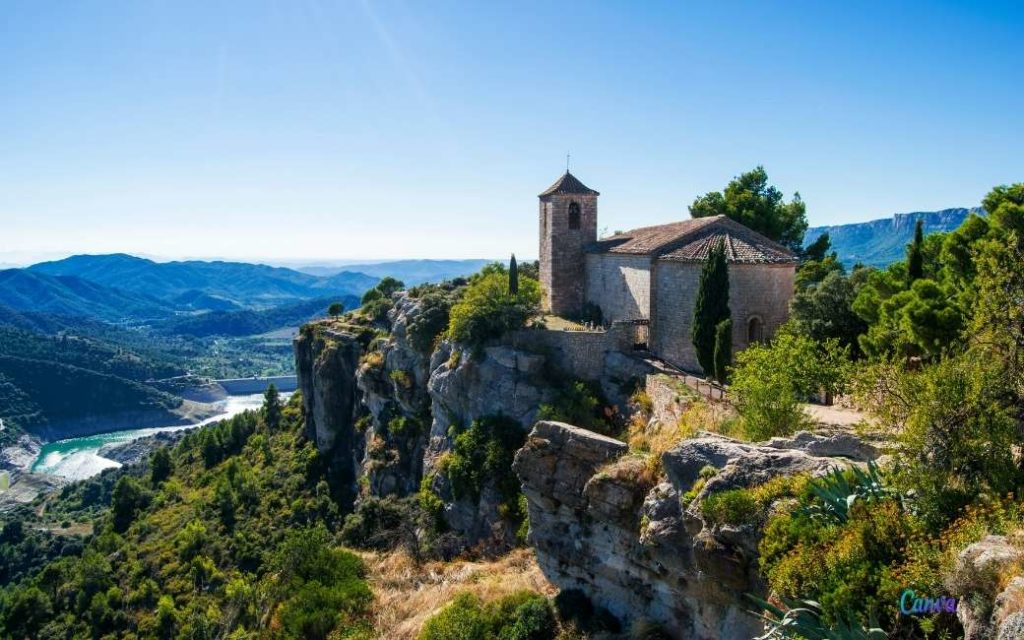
(636, 469)
(407, 594)
(656, 437)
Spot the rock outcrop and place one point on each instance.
(326, 361)
(632, 547)
(741, 464)
(395, 408)
(986, 609)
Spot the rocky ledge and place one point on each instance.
(597, 525)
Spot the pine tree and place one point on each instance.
(513, 276)
(160, 465)
(272, 406)
(915, 253)
(712, 307)
(723, 350)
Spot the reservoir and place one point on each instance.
(78, 458)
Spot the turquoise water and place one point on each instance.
(78, 458)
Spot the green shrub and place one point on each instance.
(750, 506)
(579, 404)
(424, 330)
(430, 503)
(735, 507)
(959, 428)
(401, 378)
(463, 619)
(324, 588)
(381, 523)
(483, 454)
(847, 568)
(377, 310)
(520, 616)
(487, 309)
(769, 382)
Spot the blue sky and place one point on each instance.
(349, 130)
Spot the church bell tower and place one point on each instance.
(568, 224)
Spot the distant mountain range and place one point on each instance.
(68, 295)
(880, 242)
(411, 272)
(217, 285)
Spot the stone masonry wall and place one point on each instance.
(755, 290)
(620, 285)
(580, 354)
(562, 250)
(762, 291)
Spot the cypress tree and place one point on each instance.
(723, 350)
(711, 308)
(272, 406)
(513, 276)
(915, 253)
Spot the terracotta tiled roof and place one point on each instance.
(691, 241)
(568, 184)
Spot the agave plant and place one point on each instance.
(838, 494)
(802, 620)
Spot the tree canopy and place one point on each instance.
(751, 201)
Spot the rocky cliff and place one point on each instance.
(624, 528)
(602, 522)
(878, 242)
(388, 413)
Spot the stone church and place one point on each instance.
(649, 276)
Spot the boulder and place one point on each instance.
(835, 445)
(984, 611)
(740, 464)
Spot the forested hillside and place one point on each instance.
(247, 322)
(225, 535)
(24, 290)
(217, 282)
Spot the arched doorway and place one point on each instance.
(755, 330)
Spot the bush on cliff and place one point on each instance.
(483, 454)
(487, 309)
(425, 329)
(520, 616)
(580, 404)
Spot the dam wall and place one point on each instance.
(243, 386)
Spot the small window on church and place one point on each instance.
(755, 330)
(574, 215)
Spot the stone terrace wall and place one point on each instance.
(578, 353)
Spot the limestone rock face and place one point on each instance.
(631, 547)
(395, 408)
(840, 444)
(984, 611)
(740, 464)
(326, 362)
(463, 387)
(629, 551)
(501, 379)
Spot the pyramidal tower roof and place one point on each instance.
(568, 184)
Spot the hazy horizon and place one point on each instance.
(387, 130)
